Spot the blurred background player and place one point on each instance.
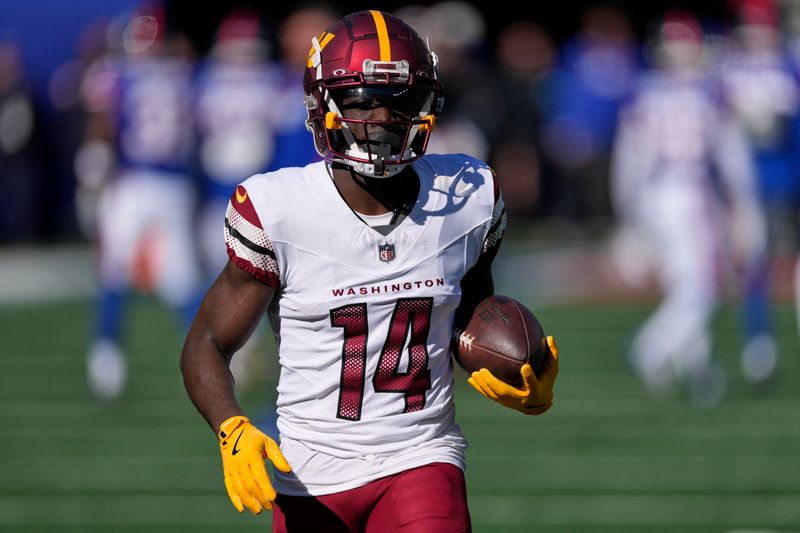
(762, 90)
(20, 150)
(293, 148)
(790, 24)
(522, 84)
(595, 72)
(671, 134)
(237, 110)
(141, 104)
(457, 31)
(247, 109)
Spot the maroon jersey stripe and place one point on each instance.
(241, 202)
(269, 279)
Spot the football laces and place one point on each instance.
(466, 339)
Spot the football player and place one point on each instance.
(672, 134)
(144, 221)
(235, 130)
(236, 135)
(363, 262)
(759, 83)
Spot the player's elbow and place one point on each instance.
(184, 362)
(200, 351)
(189, 354)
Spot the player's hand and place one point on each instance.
(243, 449)
(536, 394)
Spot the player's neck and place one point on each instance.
(376, 196)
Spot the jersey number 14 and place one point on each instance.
(411, 320)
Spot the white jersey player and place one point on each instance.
(759, 82)
(364, 262)
(235, 130)
(377, 379)
(671, 135)
(145, 214)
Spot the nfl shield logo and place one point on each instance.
(386, 252)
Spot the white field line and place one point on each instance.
(34, 274)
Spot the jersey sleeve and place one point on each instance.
(497, 226)
(249, 247)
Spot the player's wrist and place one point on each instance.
(229, 425)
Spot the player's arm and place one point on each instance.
(478, 282)
(631, 164)
(536, 394)
(476, 285)
(737, 173)
(227, 317)
(229, 313)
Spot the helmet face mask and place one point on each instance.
(371, 93)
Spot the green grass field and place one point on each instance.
(606, 458)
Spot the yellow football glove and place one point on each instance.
(243, 449)
(536, 395)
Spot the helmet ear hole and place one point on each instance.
(430, 123)
(332, 121)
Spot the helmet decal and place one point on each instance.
(383, 36)
(317, 44)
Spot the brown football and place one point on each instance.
(501, 335)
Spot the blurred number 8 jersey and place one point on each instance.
(155, 117)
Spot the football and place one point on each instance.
(501, 335)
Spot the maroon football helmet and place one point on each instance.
(370, 60)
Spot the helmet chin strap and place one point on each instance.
(376, 169)
(381, 166)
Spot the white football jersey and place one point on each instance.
(363, 321)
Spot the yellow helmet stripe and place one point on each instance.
(383, 35)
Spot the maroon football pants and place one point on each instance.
(428, 499)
